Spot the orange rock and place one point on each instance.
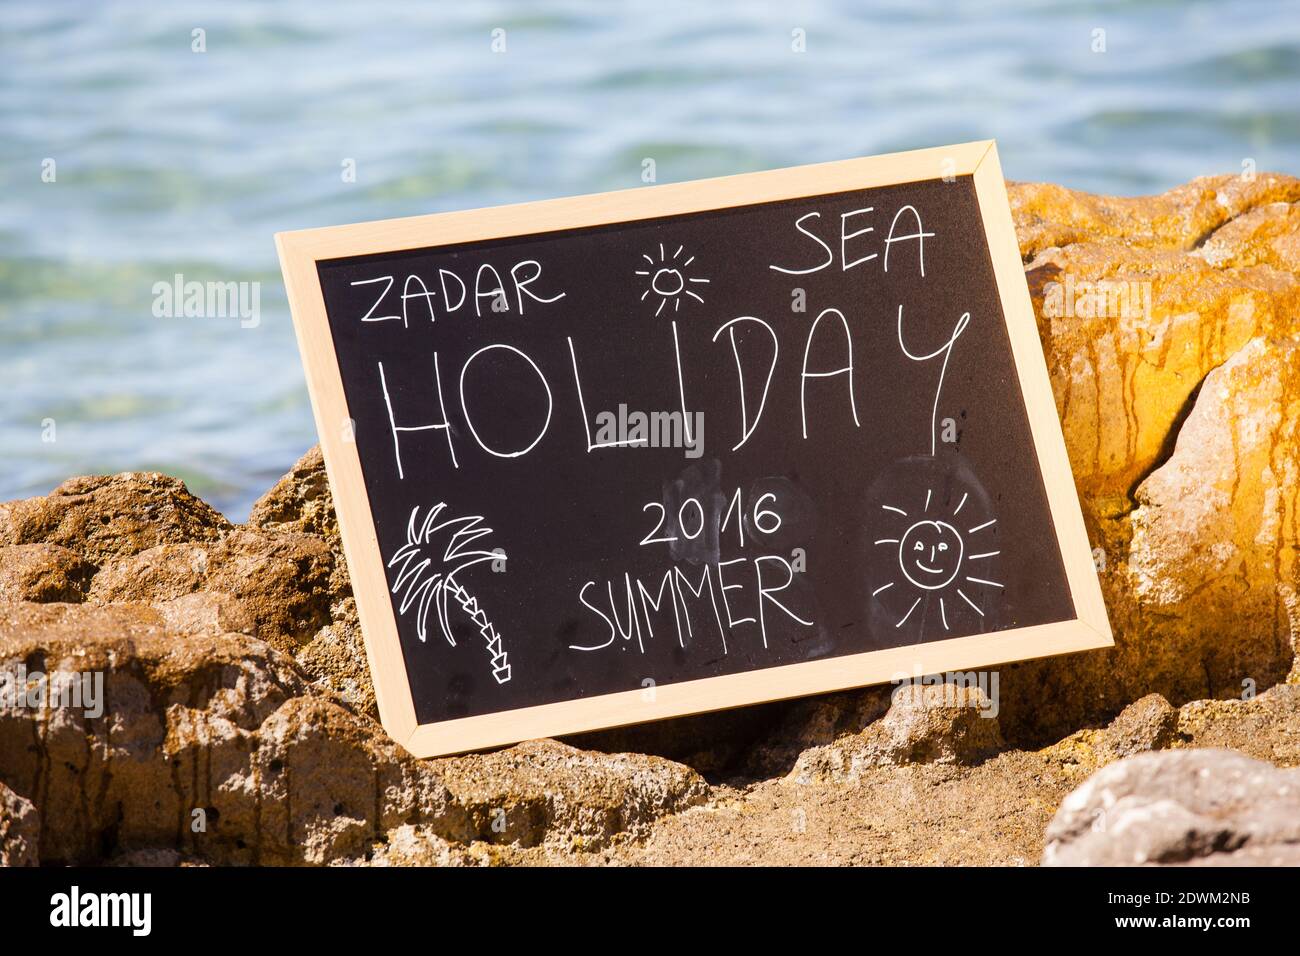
(1124, 368)
(1180, 421)
(1050, 215)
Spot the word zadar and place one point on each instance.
(487, 285)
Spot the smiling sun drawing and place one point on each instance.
(669, 279)
(940, 560)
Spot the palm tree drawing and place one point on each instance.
(429, 564)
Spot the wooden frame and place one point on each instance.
(301, 251)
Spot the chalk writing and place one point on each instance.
(749, 437)
(932, 559)
(426, 570)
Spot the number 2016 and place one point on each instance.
(763, 518)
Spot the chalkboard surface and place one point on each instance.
(643, 453)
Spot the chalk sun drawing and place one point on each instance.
(669, 279)
(933, 559)
(436, 552)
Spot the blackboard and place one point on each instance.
(615, 458)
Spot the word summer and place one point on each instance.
(724, 596)
(740, 591)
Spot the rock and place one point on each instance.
(43, 573)
(101, 516)
(1211, 363)
(994, 812)
(1202, 598)
(913, 814)
(284, 584)
(152, 858)
(1286, 854)
(1192, 806)
(223, 725)
(1048, 215)
(1266, 727)
(301, 501)
(718, 743)
(1150, 723)
(544, 790)
(813, 722)
(20, 830)
(416, 846)
(331, 783)
(206, 614)
(927, 723)
(1123, 368)
(218, 749)
(1215, 534)
(336, 658)
(1123, 376)
(1266, 235)
(1146, 724)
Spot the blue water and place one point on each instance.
(170, 161)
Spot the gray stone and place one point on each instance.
(1180, 807)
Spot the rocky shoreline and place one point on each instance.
(239, 725)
